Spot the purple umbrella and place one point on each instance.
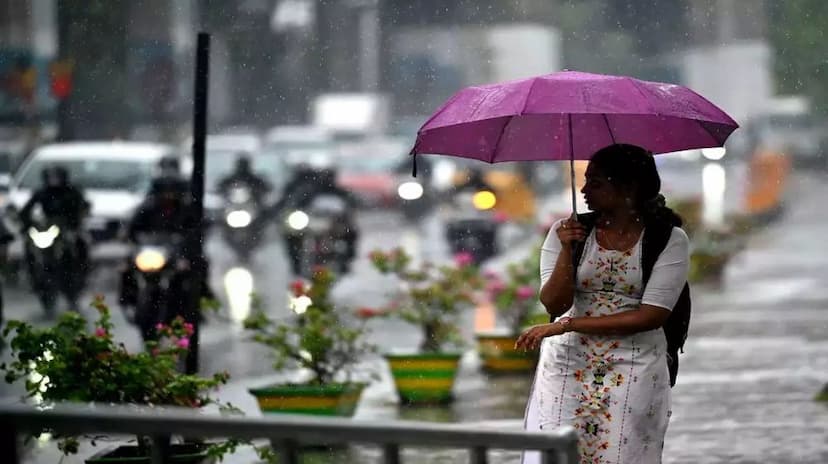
(571, 115)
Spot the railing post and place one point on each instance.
(160, 449)
(8, 443)
(391, 453)
(288, 452)
(479, 455)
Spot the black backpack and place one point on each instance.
(655, 240)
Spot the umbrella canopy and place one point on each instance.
(571, 115)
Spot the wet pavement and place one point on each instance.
(756, 356)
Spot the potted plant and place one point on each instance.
(68, 362)
(431, 297)
(318, 340)
(515, 297)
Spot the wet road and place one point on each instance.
(756, 356)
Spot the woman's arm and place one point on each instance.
(557, 273)
(643, 319)
(559, 290)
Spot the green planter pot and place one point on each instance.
(189, 453)
(499, 356)
(320, 400)
(707, 266)
(424, 378)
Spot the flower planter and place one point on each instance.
(707, 266)
(319, 400)
(188, 453)
(424, 378)
(499, 356)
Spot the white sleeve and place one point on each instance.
(669, 272)
(550, 250)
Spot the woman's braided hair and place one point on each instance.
(632, 167)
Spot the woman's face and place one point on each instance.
(601, 195)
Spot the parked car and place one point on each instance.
(114, 176)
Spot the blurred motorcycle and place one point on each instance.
(320, 235)
(415, 201)
(470, 224)
(53, 262)
(163, 281)
(240, 229)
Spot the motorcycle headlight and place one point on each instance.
(238, 219)
(298, 220)
(44, 239)
(484, 200)
(410, 190)
(150, 260)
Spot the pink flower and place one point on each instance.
(183, 343)
(525, 292)
(159, 326)
(100, 332)
(490, 275)
(188, 328)
(495, 287)
(463, 259)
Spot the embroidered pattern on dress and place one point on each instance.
(598, 382)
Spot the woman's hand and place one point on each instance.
(532, 337)
(571, 231)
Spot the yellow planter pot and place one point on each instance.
(499, 356)
(319, 400)
(424, 378)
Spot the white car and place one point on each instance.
(114, 177)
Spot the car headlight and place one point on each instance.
(238, 219)
(151, 260)
(484, 200)
(46, 238)
(410, 190)
(298, 220)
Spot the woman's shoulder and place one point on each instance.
(678, 235)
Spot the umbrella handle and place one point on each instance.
(572, 185)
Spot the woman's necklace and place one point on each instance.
(623, 239)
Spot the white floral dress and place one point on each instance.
(615, 390)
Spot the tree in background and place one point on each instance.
(797, 33)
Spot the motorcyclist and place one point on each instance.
(306, 184)
(63, 204)
(243, 175)
(167, 209)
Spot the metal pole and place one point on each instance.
(197, 187)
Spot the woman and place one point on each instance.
(602, 366)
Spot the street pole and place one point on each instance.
(197, 188)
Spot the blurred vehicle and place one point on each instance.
(53, 262)
(114, 177)
(369, 169)
(240, 228)
(789, 126)
(471, 225)
(320, 233)
(301, 145)
(516, 199)
(163, 280)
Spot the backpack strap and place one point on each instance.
(653, 243)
